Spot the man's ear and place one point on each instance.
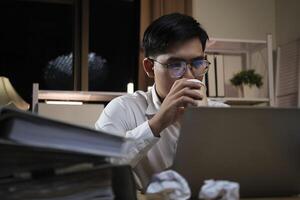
(149, 67)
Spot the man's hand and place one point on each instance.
(181, 94)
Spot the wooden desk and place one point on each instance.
(161, 197)
(275, 198)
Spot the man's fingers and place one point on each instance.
(182, 83)
(195, 94)
(185, 100)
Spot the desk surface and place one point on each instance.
(276, 198)
(161, 197)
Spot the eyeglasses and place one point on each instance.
(199, 67)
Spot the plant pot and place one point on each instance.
(246, 91)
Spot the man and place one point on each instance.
(174, 48)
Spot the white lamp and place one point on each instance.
(9, 97)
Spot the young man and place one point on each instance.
(174, 48)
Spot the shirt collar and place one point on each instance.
(154, 102)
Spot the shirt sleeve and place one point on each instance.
(118, 119)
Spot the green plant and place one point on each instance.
(247, 77)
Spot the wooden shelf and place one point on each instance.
(244, 47)
(78, 95)
(217, 45)
(63, 95)
(236, 101)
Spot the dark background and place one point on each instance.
(34, 33)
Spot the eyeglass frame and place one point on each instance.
(167, 65)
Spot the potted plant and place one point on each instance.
(245, 80)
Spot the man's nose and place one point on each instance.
(189, 72)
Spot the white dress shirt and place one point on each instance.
(128, 116)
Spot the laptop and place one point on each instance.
(257, 147)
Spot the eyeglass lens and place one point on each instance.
(199, 67)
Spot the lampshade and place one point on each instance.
(9, 97)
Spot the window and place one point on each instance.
(114, 44)
(38, 43)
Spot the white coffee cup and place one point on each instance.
(202, 91)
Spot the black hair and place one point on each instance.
(169, 30)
